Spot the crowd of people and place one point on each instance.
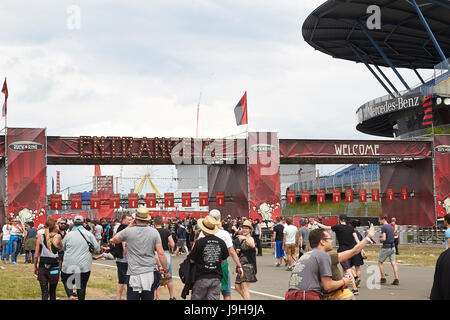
(143, 247)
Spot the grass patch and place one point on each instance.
(418, 255)
(18, 282)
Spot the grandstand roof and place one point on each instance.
(336, 26)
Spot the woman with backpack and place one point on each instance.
(48, 244)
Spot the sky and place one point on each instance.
(137, 68)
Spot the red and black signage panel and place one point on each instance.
(290, 195)
(168, 200)
(305, 196)
(133, 200)
(203, 198)
(349, 195)
(75, 200)
(150, 200)
(336, 196)
(56, 201)
(114, 201)
(220, 198)
(186, 199)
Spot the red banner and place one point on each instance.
(314, 149)
(390, 195)
(168, 200)
(75, 200)
(264, 175)
(150, 200)
(290, 195)
(336, 196)
(220, 198)
(404, 193)
(203, 198)
(186, 199)
(95, 201)
(56, 201)
(349, 195)
(442, 174)
(26, 174)
(133, 200)
(362, 195)
(375, 195)
(114, 201)
(321, 196)
(305, 196)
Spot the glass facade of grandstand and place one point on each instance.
(355, 177)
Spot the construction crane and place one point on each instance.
(146, 178)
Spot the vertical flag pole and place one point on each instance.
(5, 91)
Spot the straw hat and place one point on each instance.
(208, 225)
(247, 224)
(142, 213)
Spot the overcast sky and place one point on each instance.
(136, 68)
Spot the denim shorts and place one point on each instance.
(385, 253)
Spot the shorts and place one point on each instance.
(290, 249)
(279, 249)
(357, 260)
(346, 264)
(181, 243)
(302, 295)
(50, 275)
(122, 268)
(169, 264)
(385, 253)
(226, 280)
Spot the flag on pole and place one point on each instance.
(240, 111)
(427, 112)
(5, 92)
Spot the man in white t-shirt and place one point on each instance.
(98, 230)
(226, 237)
(6, 234)
(290, 235)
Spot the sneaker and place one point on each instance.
(383, 280)
(355, 292)
(358, 283)
(289, 268)
(277, 264)
(395, 282)
(73, 298)
(173, 298)
(14, 262)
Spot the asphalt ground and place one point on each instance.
(415, 281)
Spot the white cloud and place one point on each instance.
(137, 68)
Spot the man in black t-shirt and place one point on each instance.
(278, 241)
(173, 226)
(208, 254)
(167, 243)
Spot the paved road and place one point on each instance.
(415, 281)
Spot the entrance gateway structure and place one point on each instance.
(243, 174)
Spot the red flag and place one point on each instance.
(240, 111)
(5, 92)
